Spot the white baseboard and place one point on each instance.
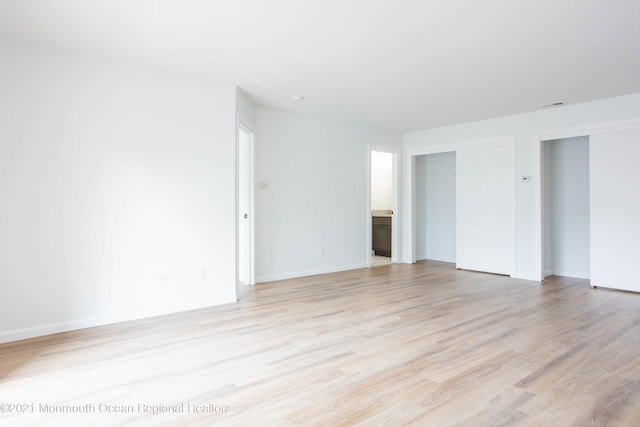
(72, 325)
(305, 273)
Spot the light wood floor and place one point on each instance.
(422, 345)
(377, 260)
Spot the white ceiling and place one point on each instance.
(391, 64)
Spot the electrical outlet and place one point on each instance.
(202, 274)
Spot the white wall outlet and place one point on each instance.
(202, 274)
(164, 277)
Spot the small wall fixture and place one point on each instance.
(297, 98)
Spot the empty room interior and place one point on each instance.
(279, 212)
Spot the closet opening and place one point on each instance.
(435, 190)
(566, 207)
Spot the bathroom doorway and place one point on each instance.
(383, 200)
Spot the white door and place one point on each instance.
(615, 209)
(245, 206)
(485, 207)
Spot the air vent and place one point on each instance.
(553, 104)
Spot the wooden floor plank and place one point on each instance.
(421, 344)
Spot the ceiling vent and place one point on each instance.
(552, 104)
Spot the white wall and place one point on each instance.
(436, 207)
(110, 176)
(316, 171)
(527, 128)
(567, 224)
(246, 110)
(381, 180)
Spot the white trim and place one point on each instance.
(561, 133)
(72, 325)
(514, 206)
(455, 146)
(594, 129)
(395, 185)
(395, 198)
(368, 220)
(313, 272)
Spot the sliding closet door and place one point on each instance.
(485, 208)
(615, 209)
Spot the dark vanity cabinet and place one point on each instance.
(381, 235)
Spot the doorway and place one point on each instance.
(382, 242)
(245, 211)
(566, 207)
(436, 207)
(485, 203)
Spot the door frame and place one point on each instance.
(250, 201)
(395, 200)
